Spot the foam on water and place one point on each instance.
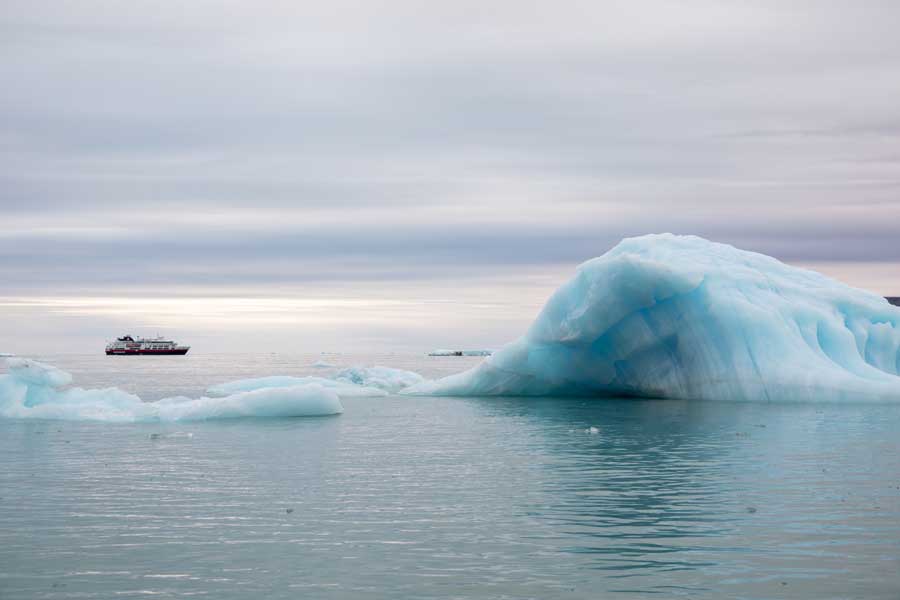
(31, 390)
(681, 317)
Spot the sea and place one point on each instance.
(462, 498)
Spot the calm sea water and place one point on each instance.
(406, 497)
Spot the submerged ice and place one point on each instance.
(32, 390)
(682, 317)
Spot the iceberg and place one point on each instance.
(31, 390)
(672, 316)
(352, 382)
(445, 352)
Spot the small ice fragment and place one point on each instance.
(592, 430)
(446, 352)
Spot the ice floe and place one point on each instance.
(445, 352)
(351, 382)
(33, 390)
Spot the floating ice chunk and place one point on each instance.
(343, 389)
(31, 391)
(37, 373)
(592, 430)
(6, 355)
(347, 383)
(304, 400)
(258, 383)
(682, 317)
(384, 378)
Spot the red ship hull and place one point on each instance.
(176, 351)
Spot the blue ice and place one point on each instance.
(33, 390)
(682, 317)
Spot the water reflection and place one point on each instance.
(462, 498)
(659, 489)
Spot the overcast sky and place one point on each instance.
(404, 175)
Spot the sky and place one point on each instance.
(311, 176)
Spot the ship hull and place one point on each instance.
(173, 351)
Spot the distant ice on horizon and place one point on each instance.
(682, 317)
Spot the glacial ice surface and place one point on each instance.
(31, 390)
(341, 388)
(683, 317)
(351, 382)
(384, 378)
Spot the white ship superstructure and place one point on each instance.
(129, 345)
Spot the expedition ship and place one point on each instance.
(130, 345)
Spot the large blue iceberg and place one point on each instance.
(681, 317)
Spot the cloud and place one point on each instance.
(230, 145)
